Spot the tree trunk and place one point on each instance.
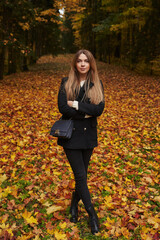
(25, 62)
(12, 62)
(6, 61)
(1, 63)
(25, 65)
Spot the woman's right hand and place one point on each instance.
(70, 103)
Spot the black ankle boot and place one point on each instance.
(93, 220)
(74, 208)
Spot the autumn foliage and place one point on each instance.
(36, 180)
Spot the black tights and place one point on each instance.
(79, 161)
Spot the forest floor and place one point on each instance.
(36, 180)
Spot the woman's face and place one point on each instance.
(82, 64)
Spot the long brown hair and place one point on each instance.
(72, 86)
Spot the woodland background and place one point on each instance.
(120, 32)
(37, 44)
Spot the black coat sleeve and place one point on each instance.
(64, 108)
(91, 109)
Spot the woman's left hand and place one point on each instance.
(70, 103)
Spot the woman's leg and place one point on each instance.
(79, 160)
(86, 157)
(79, 164)
(86, 153)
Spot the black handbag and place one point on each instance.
(62, 128)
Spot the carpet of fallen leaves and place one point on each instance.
(36, 180)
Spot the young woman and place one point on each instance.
(81, 98)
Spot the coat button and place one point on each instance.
(85, 129)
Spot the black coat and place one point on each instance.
(84, 134)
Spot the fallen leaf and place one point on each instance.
(54, 208)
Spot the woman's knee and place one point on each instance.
(81, 176)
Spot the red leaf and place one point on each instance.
(131, 226)
(137, 215)
(156, 236)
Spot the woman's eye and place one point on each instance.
(78, 61)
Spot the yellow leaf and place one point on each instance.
(50, 231)
(60, 236)
(4, 218)
(21, 143)
(155, 221)
(47, 170)
(3, 178)
(109, 222)
(13, 156)
(108, 201)
(47, 204)
(6, 191)
(13, 173)
(107, 188)
(36, 238)
(6, 227)
(10, 232)
(25, 237)
(53, 208)
(63, 225)
(4, 159)
(148, 179)
(124, 199)
(29, 219)
(157, 198)
(57, 173)
(3, 226)
(43, 166)
(125, 232)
